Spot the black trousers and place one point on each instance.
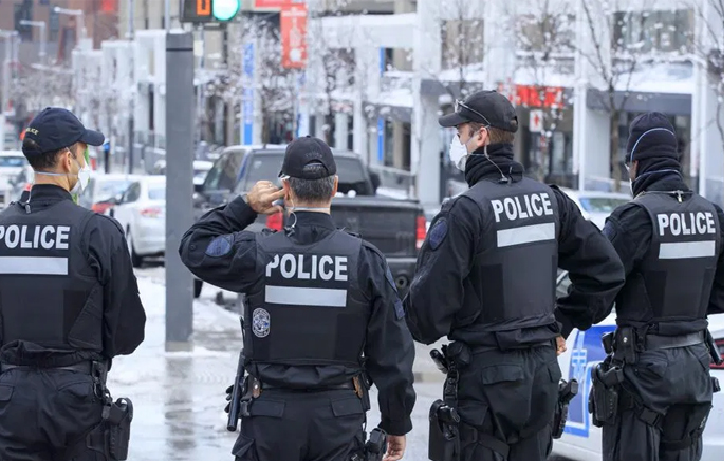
(512, 397)
(47, 415)
(673, 384)
(302, 426)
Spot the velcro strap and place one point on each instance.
(494, 444)
(488, 441)
(678, 445)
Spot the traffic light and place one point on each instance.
(203, 11)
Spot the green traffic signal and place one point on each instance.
(225, 10)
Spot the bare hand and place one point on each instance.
(262, 195)
(395, 447)
(561, 345)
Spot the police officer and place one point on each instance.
(486, 278)
(69, 305)
(321, 312)
(669, 240)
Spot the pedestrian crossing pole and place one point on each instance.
(179, 186)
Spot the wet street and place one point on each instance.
(178, 398)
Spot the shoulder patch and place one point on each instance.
(437, 234)
(399, 309)
(609, 230)
(220, 246)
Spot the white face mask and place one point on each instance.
(458, 153)
(83, 179)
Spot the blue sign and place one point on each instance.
(587, 353)
(381, 120)
(248, 94)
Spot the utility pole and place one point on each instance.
(131, 108)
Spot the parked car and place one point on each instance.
(199, 169)
(141, 211)
(581, 440)
(12, 163)
(596, 206)
(103, 189)
(396, 227)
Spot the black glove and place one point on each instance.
(229, 392)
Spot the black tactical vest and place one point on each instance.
(310, 309)
(674, 280)
(49, 293)
(518, 266)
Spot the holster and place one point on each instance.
(119, 428)
(713, 349)
(374, 449)
(566, 391)
(444, 436)
(603, 400)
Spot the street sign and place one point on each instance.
(205, 11)
(294, 36)
(536, 121)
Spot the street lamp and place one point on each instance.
(80, 20)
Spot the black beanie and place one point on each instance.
(651, 136)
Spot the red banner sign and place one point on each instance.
(277, 4)
(294, 36)
(530, 96)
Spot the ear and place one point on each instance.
(481, 136)
(287, 189)
(66, 160)
(336, 183)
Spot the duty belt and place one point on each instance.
(81, 367)
(333, 387)
(670, 342)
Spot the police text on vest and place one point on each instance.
(35, 236)
(527, 206)
(677, 224)
(323, 267)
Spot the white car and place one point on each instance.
(581, 440)
(12, 163)
(142, 213)
(104, 189)
(199, 169)
(597, 206)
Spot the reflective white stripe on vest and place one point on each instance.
(688, 250)
(303, 296)
(33, 265)
(526, 234)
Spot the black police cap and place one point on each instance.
(303, 151)
(55, 128)
(487, 107)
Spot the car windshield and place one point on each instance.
(265, 167)
(12, 161)
(157, 192)
(200, 173)
(106, 189)
(601, 204)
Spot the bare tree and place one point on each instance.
(708, 45)
(275, 84)
(545, 35)
(618, 44)
(463, 50)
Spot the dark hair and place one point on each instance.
(496, 135)
(44, 161)
(313, 190)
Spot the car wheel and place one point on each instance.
(198, 284)
(136, 259)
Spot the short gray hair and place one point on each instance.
(313, 190)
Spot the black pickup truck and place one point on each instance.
(396, 227)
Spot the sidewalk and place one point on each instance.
(178, 398)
